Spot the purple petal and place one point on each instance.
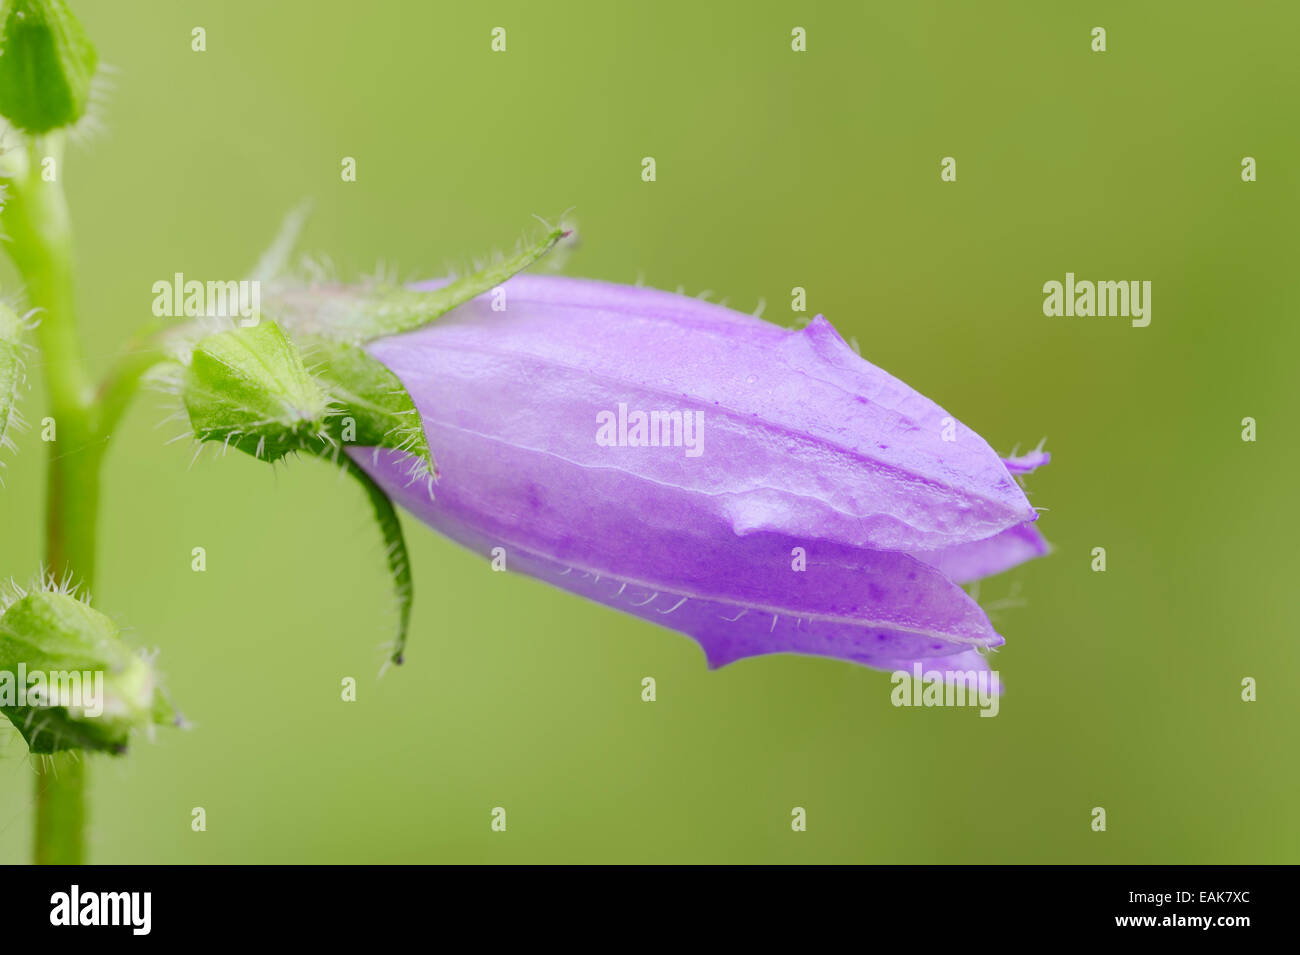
(636, 548)
(802, 435)
(966, 663)
(1027, 463)
(805, 445)
(963, 563)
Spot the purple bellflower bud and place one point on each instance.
(759, 489)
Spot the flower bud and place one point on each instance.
(46, 65)
(760, 489)
(248, 388)
(68, 681)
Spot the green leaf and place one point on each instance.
(399, 562)
(248, 388)
(364, 314)
(369, 405)
(68, 681)
(46, 65)
(12, 376)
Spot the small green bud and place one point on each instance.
(248, 388)
(68, 681)
(251, 388)
(46, 65)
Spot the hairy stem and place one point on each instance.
(36, 219)
(145, 352)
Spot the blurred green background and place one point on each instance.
(775, 169)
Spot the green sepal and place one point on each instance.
(399, 561)
(57, 635)
(363, 314)
(46, 65)
(249, 389)
(13, 374)
(369, 405)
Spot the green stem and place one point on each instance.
(145, 352)
(36, 218)
(61, 811)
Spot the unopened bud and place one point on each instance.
(68, 681)
(248, 388)
(46, 65)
